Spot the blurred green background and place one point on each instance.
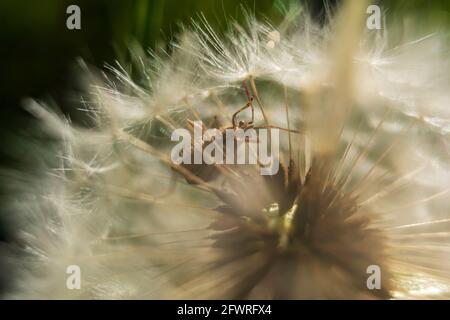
(38, 52)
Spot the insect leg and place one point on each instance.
(249, 100)
(233, 118)
(280, 128)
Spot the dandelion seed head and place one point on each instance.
(363, 178)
